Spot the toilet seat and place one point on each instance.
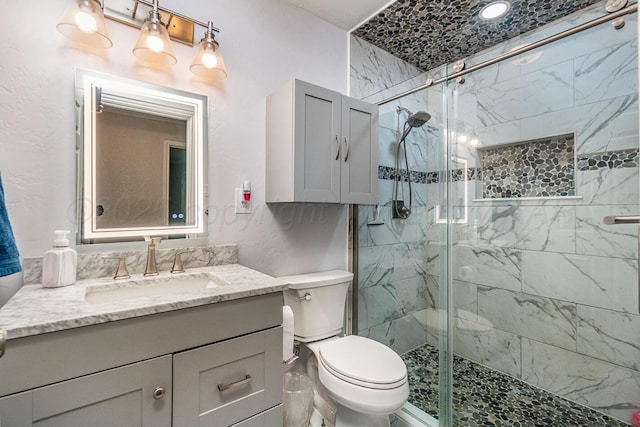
(363, 362)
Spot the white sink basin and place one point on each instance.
(149, 288)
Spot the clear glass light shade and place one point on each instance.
(83, 22)
(208, 61)
(154, 45)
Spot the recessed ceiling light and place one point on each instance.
(495, 9)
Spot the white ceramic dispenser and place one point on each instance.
(59, 263)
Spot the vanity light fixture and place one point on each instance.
(495, 9)
(153, 43)
(208, 60)
(84, 22)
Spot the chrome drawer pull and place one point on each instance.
(631, 219)
(337, 148)
(247, 379)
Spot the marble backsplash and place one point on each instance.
(93, 265)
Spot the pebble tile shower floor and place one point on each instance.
(485, 397)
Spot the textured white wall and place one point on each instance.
(264, 42)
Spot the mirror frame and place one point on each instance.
(152, 99)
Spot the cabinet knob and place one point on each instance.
(158, 393)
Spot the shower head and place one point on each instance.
(418, 119)
(414, 121)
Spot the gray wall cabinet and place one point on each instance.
(321, 146)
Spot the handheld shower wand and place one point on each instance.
(400, 210)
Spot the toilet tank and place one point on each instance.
(318, 302)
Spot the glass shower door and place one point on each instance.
(544, 309)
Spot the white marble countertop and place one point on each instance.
(36, 310)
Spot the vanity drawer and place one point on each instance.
(269, 418)
(226, 382)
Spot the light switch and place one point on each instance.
(242, 206)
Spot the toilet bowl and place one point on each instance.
(365, 380)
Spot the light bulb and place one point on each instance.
(209, 60)
(155, 43)
(462, 138)
(474, 142)
(86, 22)
(495, 10)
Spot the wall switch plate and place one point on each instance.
(242, 206)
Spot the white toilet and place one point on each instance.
(366, 379)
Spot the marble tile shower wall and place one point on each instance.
(551, 290)
(392, 281)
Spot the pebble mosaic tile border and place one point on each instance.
(389, 173)
(486, 397)
(609, 160)
(629, 158)
(429, 33)
(535, 168)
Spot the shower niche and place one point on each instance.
(536, 168)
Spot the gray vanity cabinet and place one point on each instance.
(133, 395)
(321, 146)
(211, 365)
(219, 384)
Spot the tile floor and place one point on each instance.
(485, 397)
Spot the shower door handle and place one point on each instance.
(628, 219)
(346, 147)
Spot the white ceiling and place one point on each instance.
(346, 14)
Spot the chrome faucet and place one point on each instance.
(152, 269)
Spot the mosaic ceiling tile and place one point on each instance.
(430, 33)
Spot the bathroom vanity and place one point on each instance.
(206, 351)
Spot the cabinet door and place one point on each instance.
(316, 144)
(224, 383)
(15, 410)
(359, 155)
(117, 397)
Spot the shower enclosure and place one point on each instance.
(509, 296)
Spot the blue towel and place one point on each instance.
(9, 257)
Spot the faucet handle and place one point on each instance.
(122, 272)
(178, 266)
(153, 240)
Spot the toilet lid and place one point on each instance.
(363, 361)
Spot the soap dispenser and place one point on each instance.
(59, 263)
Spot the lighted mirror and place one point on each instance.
(141, 160)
